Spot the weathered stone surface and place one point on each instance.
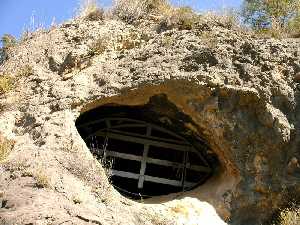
(241, 93)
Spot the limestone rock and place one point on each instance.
(240, 94)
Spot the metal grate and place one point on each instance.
(146, 153)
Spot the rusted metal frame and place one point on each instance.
(153, 179)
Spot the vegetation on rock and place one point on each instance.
(5, 147)
(273, 16)
(289, 216)
(6, 83)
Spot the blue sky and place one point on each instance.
(19, 15)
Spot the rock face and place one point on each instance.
(241, 94)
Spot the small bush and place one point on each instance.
(275, 18)
(290, 217)
(42, 181)
(5, 147)
(6, 84)
(98, 47)
(8, 41)
(133, 10)
(294, 27)
(25, 71)
(3, 55)
(90, 10)
(182, 18)
(128, 41)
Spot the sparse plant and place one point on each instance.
(229, 17)
(290, 216)
(77, 200)
(293, 26)
(168, 41)
(133, 10)
(3, 55)
(42, 180)
(8, 41)
(209, 39)
(99, 152)
(90, 10)
(183, 18)
(25, 71)
(98, 47)
(272, 17)
(6, 83)
(5, 147)
(128, 41)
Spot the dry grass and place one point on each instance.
(133, 10)
(6, 84)
(98, 47)
(90, 10)
(290, 217)
(5, 147)
(182, 18)
(8, 41)
(128, 41)
(25, 71)
(42, 180)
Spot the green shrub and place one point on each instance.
(273, 17)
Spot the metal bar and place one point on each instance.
(146, 141)
(107, 122)
(125, 174)
(144, 161)
(183, 175)
(135, 121)
(151, 178)
(155, 161)
(110, 118)
(124, 156)
(145, 136)
(139, 135)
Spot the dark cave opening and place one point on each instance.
(147, 149)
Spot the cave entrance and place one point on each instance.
(144, 159)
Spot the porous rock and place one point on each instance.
(242, 94)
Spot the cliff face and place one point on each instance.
(241, 93)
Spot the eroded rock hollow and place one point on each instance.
(235, 99)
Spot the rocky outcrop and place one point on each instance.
(241, 94)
